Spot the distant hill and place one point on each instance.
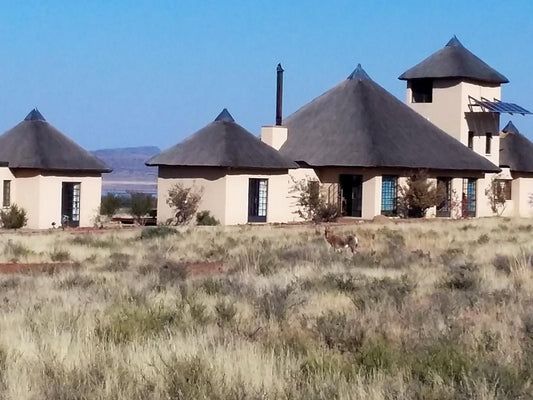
(129, 172)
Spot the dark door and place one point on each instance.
(444, 190)
(351, 195)
(257, 200)
(70, 204)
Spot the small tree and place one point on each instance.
(184, 201)
(496, 196)
(418, 195)
(110, 205)
(141, 205)
(311, 206)
(14, 217)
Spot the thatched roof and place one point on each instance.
(516, 151)
(360, 124)
(222, 143)
(36, 144)
(454, 61)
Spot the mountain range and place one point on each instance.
(129, 172)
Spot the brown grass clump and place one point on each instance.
(427, 310)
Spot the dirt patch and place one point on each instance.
(205, 268)
(12, 268)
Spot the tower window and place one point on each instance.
(471, 140)
(488, 142)
(422, 90)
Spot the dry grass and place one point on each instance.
(427, 310)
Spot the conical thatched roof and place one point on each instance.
(222, 143)
(516, 151)
(360, 124)
(36, 144)
(454, 61)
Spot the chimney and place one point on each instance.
(279, 95)
(275, 136)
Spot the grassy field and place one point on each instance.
(426, 310)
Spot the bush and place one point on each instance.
(59, 255)
(418, 195)
(205, 218)
(110, 205)
(14, 217)
(184, 201)
(496, 195)
(311, 206)
(141, 205)
(157, 232)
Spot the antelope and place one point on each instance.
(336, 242)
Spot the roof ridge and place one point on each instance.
(510, 128)
(359, 74)
(224, 116)
(34, 115)
(454, 42)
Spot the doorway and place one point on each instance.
(351, 195)
(70, 204)
(257, 200)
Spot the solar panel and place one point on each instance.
(501, 107)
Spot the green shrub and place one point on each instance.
(205, 218)
(376, 356)
(141, 205)
(462, 277)
(338, 333)
(110, 204)
(446, 361)
(275, 303)
(59, 255)
(184, 201)
(379, 290)
(157, 232)
(418, 195)
(225, 312)
(126, 323)
(14, 217)
(311, 205)
(117, 262)
(75, 280)
(15, 250)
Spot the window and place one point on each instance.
(505, 187)
(257, 200)
(468, 200)
(488, 142)
(422, 90)
(389, 195)
(7, 194)
(444, 189)
(70, 203)
(471, 140)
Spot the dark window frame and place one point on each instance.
(257, 199)
(6, 194)
(389, 195)
(506, 186)
(422, 90)
(471, 140)
(488, 143)
(468, 200)
(445, 208)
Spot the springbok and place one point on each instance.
(338, 242)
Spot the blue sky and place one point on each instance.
(129, 73)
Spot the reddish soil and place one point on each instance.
(205, 268)
(10, 268)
